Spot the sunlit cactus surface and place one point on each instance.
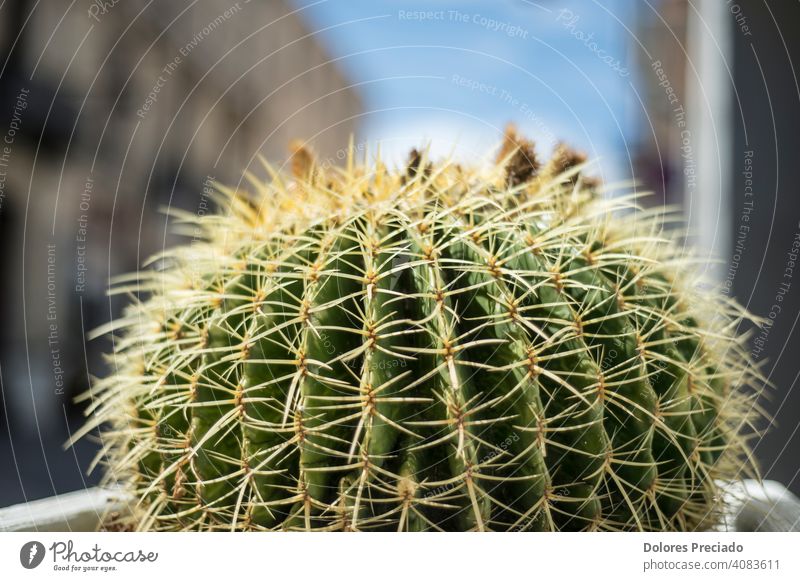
(508, 346)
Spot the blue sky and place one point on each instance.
(453, 73)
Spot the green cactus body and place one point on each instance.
(430, 349)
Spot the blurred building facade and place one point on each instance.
(661, 64)
(111, 111)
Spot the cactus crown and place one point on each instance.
(436, 348)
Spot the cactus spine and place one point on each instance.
(438, 348)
